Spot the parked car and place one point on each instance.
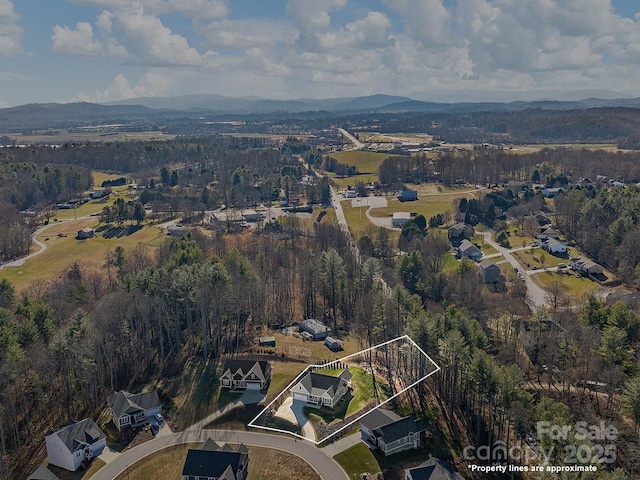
(155, 428)
(562, 265)
(158, 418)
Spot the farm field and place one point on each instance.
(427, 208)
(63, 136)
(63, 251)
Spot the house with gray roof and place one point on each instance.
(216, 462)
(133, 409)
(241, 374)
(554, 246)
(322, 390)
(586, 266)
(314, 329)
(489, 271)
(432, 469)
(468, 249)
(78, 442)
(42, 473)
(389, 433)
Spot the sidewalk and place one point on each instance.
(334, 448)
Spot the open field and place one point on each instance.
(62, 252)
(365, 162)
(530, 258)
(99, 177)
(427, 208)
(358, 460)
(60, 136)
(264, 463)
(344, 182)
(612, 147)
(577, 287)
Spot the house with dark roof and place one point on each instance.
(489, 271)
(468, 249)
(216, 462)
(389, 433)
(459, 232)
(628, 298)
(432, 469)
(78, 442)
(42, 473)
(320, 389)
(133, 409)
(313, 329)
(241, 374)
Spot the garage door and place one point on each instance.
(300, 396)
(253, 386)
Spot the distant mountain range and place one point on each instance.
(160, 110)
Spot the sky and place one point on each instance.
(107, 50)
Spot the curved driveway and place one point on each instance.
(326, 467)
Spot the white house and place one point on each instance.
(131, 410)
(320, 389)
(245, 374)
(586, 266)
(554, 246)
(70, 446)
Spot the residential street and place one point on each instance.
(535, 294)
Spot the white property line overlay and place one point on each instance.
(295, 380)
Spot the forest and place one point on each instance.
(66, 343)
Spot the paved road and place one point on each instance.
(34, 238)
(535, 294)
(351, 138)
(326, 467)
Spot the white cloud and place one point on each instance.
(152, 84)
(427, 21)
(82, 42)
(152, 43)
(248, 33)
(189, 8)
(10, 32)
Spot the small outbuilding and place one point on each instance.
(267, 341)
(333, 344)
(85, 233)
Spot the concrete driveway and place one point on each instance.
(291, 411)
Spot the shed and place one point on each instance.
(333, 344)
(267, 341)
(85, 233)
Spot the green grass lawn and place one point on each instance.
(358, 460)
(343, 182)
(530, 258)
(365, 162)
(577, 287)
(425, 207)
(62, 252)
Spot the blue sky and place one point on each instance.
(105, 50)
